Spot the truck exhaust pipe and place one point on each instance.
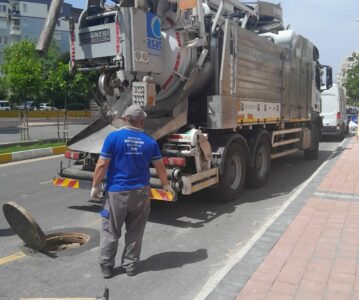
(48, 30)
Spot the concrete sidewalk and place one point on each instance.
(312, 250)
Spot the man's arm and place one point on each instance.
(100, 171)
(161, 171)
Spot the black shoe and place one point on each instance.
(130, 272)
(107, 272)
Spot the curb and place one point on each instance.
(28, 143)
(29, 154)
(47, 113)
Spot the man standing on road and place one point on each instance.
(126, 156)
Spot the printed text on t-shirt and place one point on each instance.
(134, 145)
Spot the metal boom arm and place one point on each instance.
(49, 27)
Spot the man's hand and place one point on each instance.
(95, 192)
(168, 188)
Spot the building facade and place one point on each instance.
(24, 20)
(346, 65)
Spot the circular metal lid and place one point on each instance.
(24, 225)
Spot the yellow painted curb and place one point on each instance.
(59, 150)
(5, 158)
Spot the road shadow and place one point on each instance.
(328, 138)
(168, 260)
(7, 232)
(194, 211)
(95, 208)
(336, 139)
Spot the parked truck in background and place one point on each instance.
(226, 88)
(334, 113)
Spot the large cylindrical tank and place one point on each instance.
(180, 53)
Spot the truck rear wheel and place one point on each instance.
(313, 152)
(258, 173)
(234, 173)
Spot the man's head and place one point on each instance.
(134, 115)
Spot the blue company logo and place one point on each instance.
(153, 31)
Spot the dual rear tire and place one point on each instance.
(236, 171)
(258, 173)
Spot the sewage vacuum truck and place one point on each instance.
(226, 88)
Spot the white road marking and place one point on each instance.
(215, 279)
(30, 160)
(45, 182)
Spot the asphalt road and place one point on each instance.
(39, 129)
(185, 243)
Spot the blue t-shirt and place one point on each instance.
(131, 152)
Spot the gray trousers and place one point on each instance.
(129, 207)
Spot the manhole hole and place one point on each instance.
(30, 232)
(65, 240)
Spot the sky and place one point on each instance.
(330, 24)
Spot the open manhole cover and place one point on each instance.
(30, 232)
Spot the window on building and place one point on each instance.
(1, 39)
(58, 23)
(5, 40)
(17, 22)
(2, 8)
(57, 36)
(24, 7)
(3, 24)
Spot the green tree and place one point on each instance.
(22, 71)
(51, 59)
(65, 87)
(3, 89)
(352, 81)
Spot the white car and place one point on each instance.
(4, 105)
(46, 106)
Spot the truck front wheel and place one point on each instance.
(313, 152)
(234, 173)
